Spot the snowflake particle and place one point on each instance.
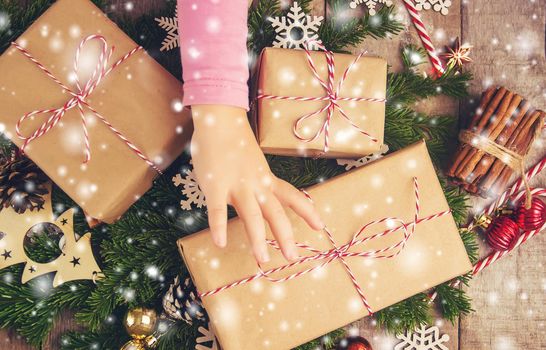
(170, 24)
(352, 163)
(4, 21)
(208, 337)
(371, 4)
(441, 6)
(190, 189)
(422, 339)
(296, 29)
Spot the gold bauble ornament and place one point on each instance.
(135, 344)
(140, 323)
(140, 344)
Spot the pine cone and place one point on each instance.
(182, 303)
(22, 183)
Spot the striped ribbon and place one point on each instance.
(332, 97)
(78, 98)
(341, 253)
(425, 38)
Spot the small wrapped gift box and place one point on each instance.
(101, 123)
(320, 104)
(389, 235)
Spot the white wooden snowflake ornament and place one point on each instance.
(371, 4)
(441, 6)
(207, 337)
(170, 24)
(296, 29)
(352, 163)
(423, 339)
(190, 189)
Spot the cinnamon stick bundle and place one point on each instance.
(512, 124)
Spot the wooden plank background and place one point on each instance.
(509, 49)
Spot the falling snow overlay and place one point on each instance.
(423, 339)
(296, 29)
(170, 24)
(371, 4)
(441, 6)
(206, 338)
(190, 189)
(352, 163)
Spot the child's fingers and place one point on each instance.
(280, 225)
(217, 213)
(249, 210)
(291, 197)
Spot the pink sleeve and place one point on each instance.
(213, 36)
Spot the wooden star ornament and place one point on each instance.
(76, 261)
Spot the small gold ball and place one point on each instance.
(134, 344)
(140, 322)
(483, 221)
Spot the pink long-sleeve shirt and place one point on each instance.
(213, 36)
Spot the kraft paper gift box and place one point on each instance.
(139, 98)
(288, 74)
(266, 315)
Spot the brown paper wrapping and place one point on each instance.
(137, 98)
(265, 315)
(287, 73)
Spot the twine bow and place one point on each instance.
(507, 156)
(332, 98)
(79, 97)
(343, 252)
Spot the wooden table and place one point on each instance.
(509, 49)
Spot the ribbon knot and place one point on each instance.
(332, 97)
(342, 253)
(79, 98)
(338, 253)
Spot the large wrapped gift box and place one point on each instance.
(263, 314)
(288, 74)
(139, 98)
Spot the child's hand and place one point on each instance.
(231, 169)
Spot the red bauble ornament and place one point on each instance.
(354, 343)
(503, 233)
(534, 217)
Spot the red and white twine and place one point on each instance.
(415, 17)
(79, 97)
(332, 97)
(343, 252)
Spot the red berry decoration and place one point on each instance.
(354, 343)
(503, 233)
(534, 217)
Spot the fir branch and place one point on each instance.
(413, 56)
(339, 31)
(458, 203)
(31, 308)
(149, 238)
(407, 314)
(406, 87)
(453, 302)
(179, 336)
(471, 245)
(261, 33)
(111, 338)
(44, 248)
